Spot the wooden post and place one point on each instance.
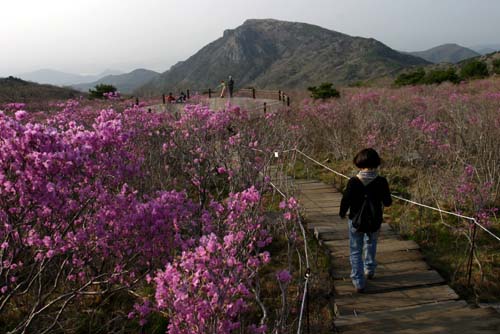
(279, 95)
(253, 93)
(209, 93)
(265, 107)
(187, 94)
(136, 101)
(288, 101)
(163, 98)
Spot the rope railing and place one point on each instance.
(252, 93)
(308, 267)
(304, 304)
(472, 219)
(475, 224)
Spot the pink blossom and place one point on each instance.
(284, 276)
(21, 114)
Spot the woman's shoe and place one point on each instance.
(369, 275)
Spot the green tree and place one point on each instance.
(324, 91)
(410, 78)
(99, 90)
(474, 69)
(440, 76)
(496, 66)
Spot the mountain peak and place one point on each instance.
(269, 53)
(260, 21)
(446, 53)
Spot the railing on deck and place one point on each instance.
(243, 92)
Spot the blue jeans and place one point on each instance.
(359, 241)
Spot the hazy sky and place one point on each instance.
(88, 36)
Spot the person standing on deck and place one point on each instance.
(365, 196)
(222, 86)
(230, 85)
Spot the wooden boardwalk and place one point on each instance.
(217, 103)
(405, 296)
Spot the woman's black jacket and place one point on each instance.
(377, 190)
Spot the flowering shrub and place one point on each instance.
(104, 198)
(435, 130)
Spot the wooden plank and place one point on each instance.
(321, 206)
(326, 201)
(314, 220)
(320, 196)
(315, 186)
(328, 198)
(383, 259)
(328, 211)
(399, 256)
(392, 282)
(458, 320)
(305, 181)
(324, 198)
(319, 200)
(328, 235)
(316, 192)
(360, 303)
(350, 320)
(384, 269)
(339, 230)
(340, 248)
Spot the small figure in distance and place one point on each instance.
(365, 196)
(170, 98)
(230, 85)
(181, 98)
(222, 86)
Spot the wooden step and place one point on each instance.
(315, 186)
(383, 269)
(329, 211)
(330, 208)
(317, 189)
(340, 248)
(392, 282)
(340, 266)
(451, 320)
(360, 303)
(333, 233)
(346, 321)
(326, 219)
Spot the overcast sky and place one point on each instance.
(88, 36)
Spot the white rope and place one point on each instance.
(472, 219)
(319, 163)
(299, 328)
(308, 268)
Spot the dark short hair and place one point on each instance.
(367, 158)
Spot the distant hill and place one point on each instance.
(125, 83)
(486, 48)
(488, 59)
(446, 53)
(269, 53)
(58, 78)
(17, 90)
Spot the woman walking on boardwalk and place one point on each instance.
(365, 196)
